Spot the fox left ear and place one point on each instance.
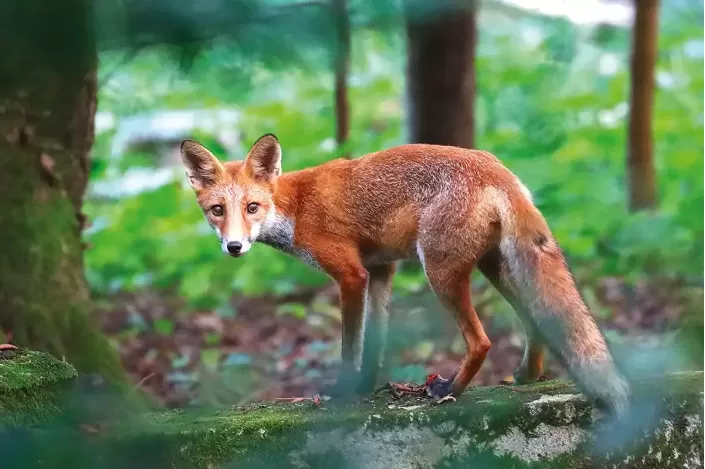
(202, 167)
(264, 160)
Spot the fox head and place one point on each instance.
(236, 196)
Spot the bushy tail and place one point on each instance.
(536, 270)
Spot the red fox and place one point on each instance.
(451, 208)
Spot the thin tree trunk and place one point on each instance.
(441, 77)
(342, 67)
(47, 108)
(640, 163)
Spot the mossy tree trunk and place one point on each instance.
(47, 107)
(640, 160)
(441, 75)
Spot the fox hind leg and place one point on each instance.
(448, 251)
(452, 287)
(531, 367)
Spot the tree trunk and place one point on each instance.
(640, 164)
(342, 67)
(441, 77)
(47, 107)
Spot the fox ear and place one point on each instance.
(264, 160)
(202, 167)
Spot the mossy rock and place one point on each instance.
(547, 425)
(31, 385)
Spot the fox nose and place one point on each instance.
(234, 247)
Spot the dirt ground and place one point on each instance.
(290, 346)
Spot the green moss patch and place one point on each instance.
(30, 385)
(546, 425)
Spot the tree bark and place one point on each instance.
(47, 107)
(342, 68)
(640, 164)
(441, 76)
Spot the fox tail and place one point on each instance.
(536, 271)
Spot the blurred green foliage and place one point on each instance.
(553, 109)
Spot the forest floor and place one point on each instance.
(271, 347)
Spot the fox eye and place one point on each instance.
(217, 210)
(252, 207)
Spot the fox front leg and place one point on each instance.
(343, 264)
(379, 292)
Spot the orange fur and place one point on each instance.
(453, 209)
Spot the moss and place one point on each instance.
(547, 425)
(31, 384)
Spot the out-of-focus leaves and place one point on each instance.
(554, 113)
(424, 349)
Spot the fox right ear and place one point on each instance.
(264, 160)
(202, 167)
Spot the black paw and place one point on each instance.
(438, 387)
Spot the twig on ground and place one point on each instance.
(399, 389)
(315, 400)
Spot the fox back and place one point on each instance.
(377, 200)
